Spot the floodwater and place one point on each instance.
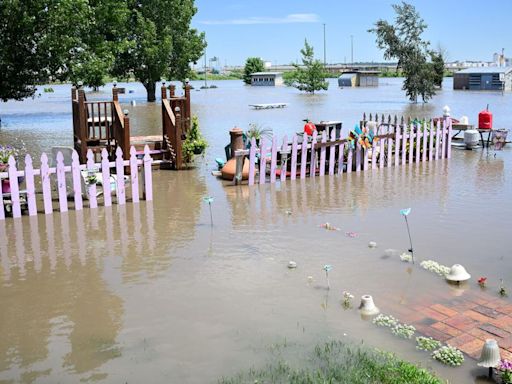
(152, 293)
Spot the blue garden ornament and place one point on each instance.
(209, 200)
(405, 212)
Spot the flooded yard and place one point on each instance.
(151, 292)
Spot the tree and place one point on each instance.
(252, 65)
(160, 42)
(22, 61)
(403, 41)
(309, 76)
(66, 39)
(438, 65)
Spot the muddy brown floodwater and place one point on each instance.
(152, 293)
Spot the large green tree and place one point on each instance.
(310, 76)
(160, 42)
(22, 61)
(252, 65)
(66, 39)
(402, 41)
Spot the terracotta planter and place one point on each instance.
(6, 186)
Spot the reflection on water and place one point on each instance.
(151, 292)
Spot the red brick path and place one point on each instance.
(464, 322)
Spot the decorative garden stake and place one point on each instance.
(482, 282)
(405, 212)
(209, 200)
(327, 268)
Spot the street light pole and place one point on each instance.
(352, 49)
(325, 57)
(205, 84)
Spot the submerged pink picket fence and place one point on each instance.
(26, 199)
(320, 155)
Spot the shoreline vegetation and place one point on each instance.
(338, 362)
(235, 75)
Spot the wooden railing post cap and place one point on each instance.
(126, 112)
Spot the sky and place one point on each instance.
(275, 29)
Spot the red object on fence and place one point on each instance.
(309, 128)
(485, 120)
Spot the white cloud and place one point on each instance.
(288, 19)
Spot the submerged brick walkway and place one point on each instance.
(464, 322)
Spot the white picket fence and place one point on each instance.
(75, 169)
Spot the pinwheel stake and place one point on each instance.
(405, 212)
(209, 200)
(327, 268)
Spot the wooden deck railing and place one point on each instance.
(98, 125)
(175, 123)
(318, 155)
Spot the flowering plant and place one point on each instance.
(406, 257)
(448, 355)
(434, 266)
(427, 343)
(482, 282)
(347, 299)
(6, 151)
(385, 321)
(505, 370)
(403, 330)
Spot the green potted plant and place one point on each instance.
(258, 132)
(194, 143)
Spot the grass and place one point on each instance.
(339, 363)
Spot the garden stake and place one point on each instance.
(327, 268)
(209, 200)
(405, 212)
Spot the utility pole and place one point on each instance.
(205, 83)
(352, 49)
(325, 57)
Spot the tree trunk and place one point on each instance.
(151, 90)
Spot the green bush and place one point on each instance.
(194, 143)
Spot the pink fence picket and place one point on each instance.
(78, 179)
(322, 154)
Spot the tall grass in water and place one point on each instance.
(338, 363)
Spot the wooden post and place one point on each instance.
(172, 90)
(187, 101)
(115, 93)
(163, 91)
(73, 93)
(126, 133)
(82, 118)
(177, 137)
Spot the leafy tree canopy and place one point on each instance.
(86, 40)
(252, 65)
(402, 41)
(160, 42)
(310, 76)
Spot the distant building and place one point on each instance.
(359, 79)
(267, 78)
(484, 79)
